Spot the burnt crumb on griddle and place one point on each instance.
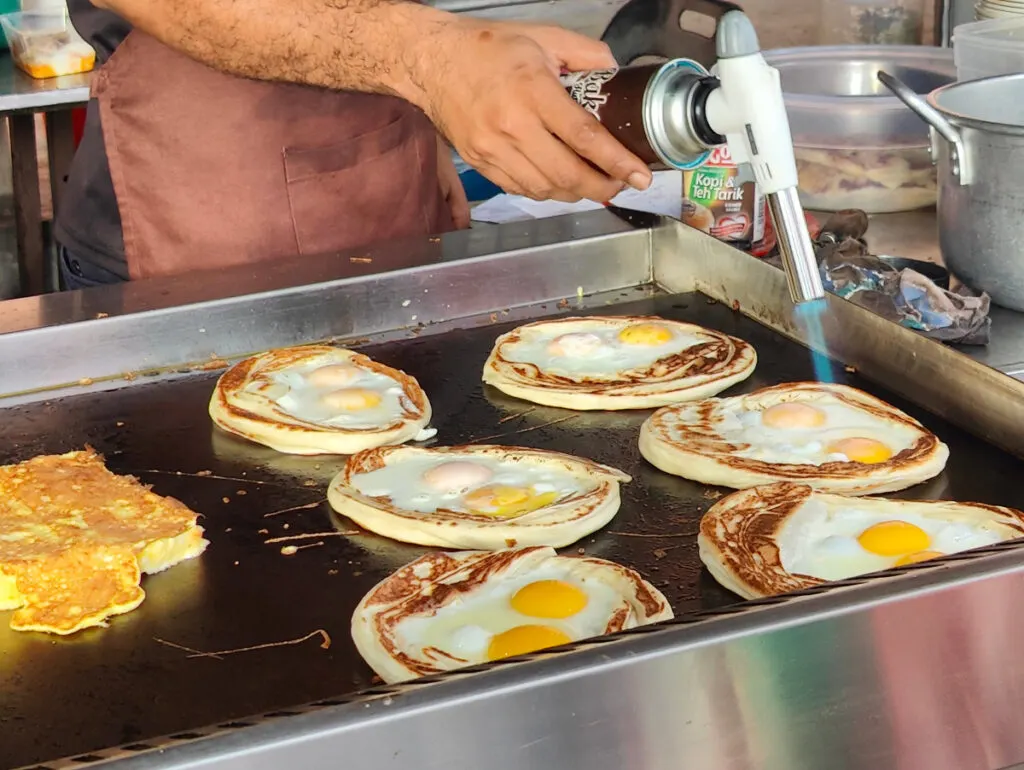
(563, 303)
(711, 494)
(241, 492)
(736, 305)
(204, 473)
(850, 369)
(710, 301)
(659, 553)
(581, 551)
(263, 531)
(332, 572)
(225, 499)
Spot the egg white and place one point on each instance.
(807, 446)
(402, 481)
(297, 397)
(821, 541)
(609, 359)
(465, 627)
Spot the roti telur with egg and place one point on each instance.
(833, 438)
(448, 610)
(786, 537)
(476, 497)
(608, 362)
(76, 538)
(319, 399)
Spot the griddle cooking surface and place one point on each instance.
(106, 687)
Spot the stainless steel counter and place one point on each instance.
(914, 668)
(21, 97)
(19, 92)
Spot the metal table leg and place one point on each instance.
(27, 206)
(60, 142)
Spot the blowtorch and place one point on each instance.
(674, 115)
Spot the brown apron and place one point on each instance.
(212, 170)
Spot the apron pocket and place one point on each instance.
(371, 187)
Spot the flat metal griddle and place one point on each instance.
(120, 685)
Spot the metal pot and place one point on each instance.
(978, 144)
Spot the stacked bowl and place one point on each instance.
(999, 9)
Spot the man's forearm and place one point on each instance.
(359, 45)
(491, 88)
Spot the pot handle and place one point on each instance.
(935, 119)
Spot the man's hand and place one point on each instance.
(451, 186)
(493, 89)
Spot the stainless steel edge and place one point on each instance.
(978, 398)
(104, 334)
(20, 93)
(918, 670)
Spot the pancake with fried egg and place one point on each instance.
(833, 438)
(75, 540)
(786, 537)
(611, 362)
(444, 611)
(476, 497)
(319, 399)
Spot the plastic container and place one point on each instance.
(857, 146)
(984, 49)
(45, 45)
(871, 22)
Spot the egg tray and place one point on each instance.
(248, 628)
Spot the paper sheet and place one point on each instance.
(664, 196)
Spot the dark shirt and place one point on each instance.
(88, 224)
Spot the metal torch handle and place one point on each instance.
(798, 256)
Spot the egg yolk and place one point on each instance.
(448, 477)
(506, 502)
(915, 558)
(894, 538)
(577, 345)
(861, 450)
(523, 639)
(793, 415)
(351, 399)
(332, 376)
(645, 334)
(549, 599)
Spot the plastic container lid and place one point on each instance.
(986, 48)
(835, 101)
